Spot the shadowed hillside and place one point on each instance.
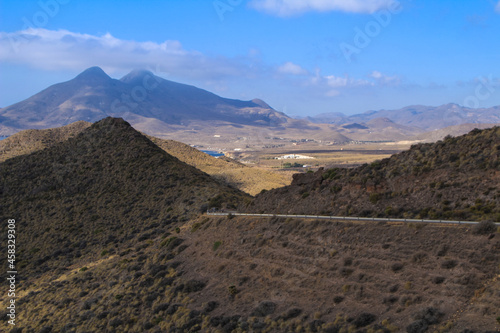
(458, 178)
(226, 170)
(106, 186)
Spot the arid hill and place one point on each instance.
(105, 186)
(251, 180)
(111, 239)
(248, 179)
(29, 141)
(457, 178)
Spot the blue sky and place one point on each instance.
(303, 57)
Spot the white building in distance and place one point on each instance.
(294, 157)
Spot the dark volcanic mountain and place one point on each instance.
(458, 178)
(139, 97)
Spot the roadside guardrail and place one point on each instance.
(344, 218)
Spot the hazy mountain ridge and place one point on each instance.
(425, 118)
(186, 113)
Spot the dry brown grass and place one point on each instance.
(344, 269)
(249, 179)
(29, 141)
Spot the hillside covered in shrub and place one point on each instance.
(455, 179)
(107, 186)
(111, 238)
(228, 171)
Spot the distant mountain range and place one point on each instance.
(172, 110)
(423, 118)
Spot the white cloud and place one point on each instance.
(383, 79)
(332, 85)
(376, 75)
(497, 8)
(62, 49)
(340, 82)
(291, 68)
(296, 7)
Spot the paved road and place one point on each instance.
(345, 218)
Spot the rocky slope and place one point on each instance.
(457, 178)
(110, 239)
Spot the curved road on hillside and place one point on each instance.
(344, 218)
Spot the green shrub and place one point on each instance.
(216, 245)
(232, 290)
(167, 241)
(196, 226)
(374, 197)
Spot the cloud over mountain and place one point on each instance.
(63, 49)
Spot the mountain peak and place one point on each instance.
(112, 122)
(136, 74)
(93, 74)
(261, 103)
(113, 129)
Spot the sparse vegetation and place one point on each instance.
(406, 185)
(154, 265)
